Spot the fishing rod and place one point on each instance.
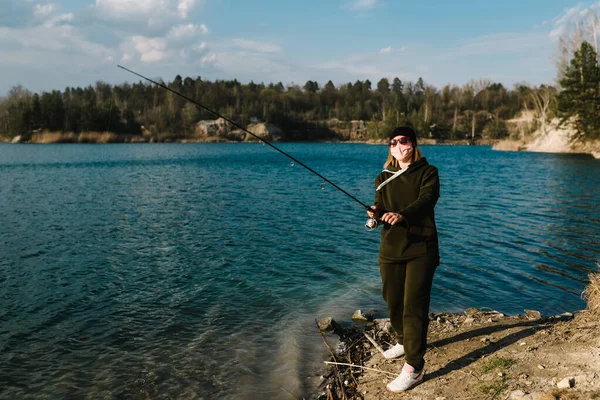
(256, 136)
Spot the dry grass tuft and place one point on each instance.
(53, 137)
(591, 293)
(97, 137)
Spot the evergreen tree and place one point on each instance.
(580, 97)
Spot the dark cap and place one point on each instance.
(404, 131)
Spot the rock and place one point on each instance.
(440, 398)
(383, 324)
(540, 366)
(16, 139)
(533, 314)
(469, 320)
(516, 395)
(471, 311)
(265, 131)
(522, 344)
(217, 127)
(566, 383)
(359, 316)
(328, 324)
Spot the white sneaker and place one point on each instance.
(394, 352)
(405, 381)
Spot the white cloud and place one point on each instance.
(561, 23)
(126, 9)
(181, 41)
(503, 43)
(261, 47)
(386, 50)
(203, 29)
(361, 5)
(48, 46)
(209, 59)
(150, 49)
(59, 20)
(43, 11)
(182, 32)
(137, 15)
(184, 7)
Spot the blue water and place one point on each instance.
(197, 270)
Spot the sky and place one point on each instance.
(52, 44)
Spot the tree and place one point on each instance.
(579, 101)
(542, 99)
(311, 87)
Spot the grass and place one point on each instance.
(497, 362)
(494, 389)
(83, 137)
(53, 137)
(591, 294)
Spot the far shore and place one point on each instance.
(110, 137)
(547, 144)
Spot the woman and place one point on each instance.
(406, 193)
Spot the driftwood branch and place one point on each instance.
(373, 342)
(337, 372)
(358, 366)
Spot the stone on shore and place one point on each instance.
(566, 383)
(383, 324)
(360, 316)
(471, 311)
(328, 324)
(533, 314)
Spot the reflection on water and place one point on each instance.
(199, 270)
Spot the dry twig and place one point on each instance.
(337, 372)
(358, 366)
(378, 347)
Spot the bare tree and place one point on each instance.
(541, 98)
(583, 27)
(470, 90)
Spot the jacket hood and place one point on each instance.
(421, 162)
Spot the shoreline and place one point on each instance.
(111, 138)
(477, 354)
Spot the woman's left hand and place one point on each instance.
(392, 218)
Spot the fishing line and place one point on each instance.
(294, 160)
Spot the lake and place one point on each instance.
(198, 270)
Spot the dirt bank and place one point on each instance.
(483, 355)
(527, 135)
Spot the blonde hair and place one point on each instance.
(394, 163)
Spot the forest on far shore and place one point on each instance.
(477, 109)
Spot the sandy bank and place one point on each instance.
(481, 355)
(553, 138)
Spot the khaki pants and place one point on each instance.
(407, 291)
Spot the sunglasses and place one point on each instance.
(402, 140)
